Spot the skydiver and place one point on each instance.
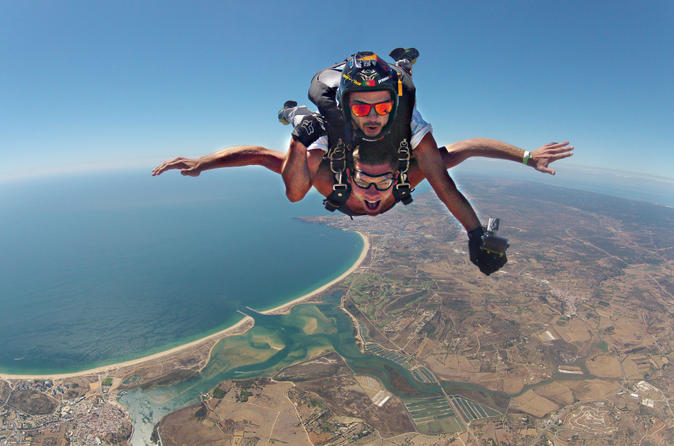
(373, 173)
(370, 168)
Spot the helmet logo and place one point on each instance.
(308, 126)
(346, 76)
(368, 77)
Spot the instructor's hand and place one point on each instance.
(486, 261)
(187, 166)
(549, 153)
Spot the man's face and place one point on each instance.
(364, 178)
(372, 124)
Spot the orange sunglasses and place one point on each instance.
(382, 108)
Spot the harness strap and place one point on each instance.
(341, 190)
(403, 191)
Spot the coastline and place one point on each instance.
(285, 308)
(229, 331)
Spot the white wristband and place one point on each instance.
(526, 157)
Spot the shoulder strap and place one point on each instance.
(341, 189)
(402, 191)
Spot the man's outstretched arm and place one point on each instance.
(539, 159)
(229, 157)
(456, 153)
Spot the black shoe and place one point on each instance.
(410, 54)
(282, 114)
(405, 58)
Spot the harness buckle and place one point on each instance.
(337, 158)
(337, 166)
(404, 156)
(403, 193)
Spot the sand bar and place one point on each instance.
(234, 329)
(229, 331)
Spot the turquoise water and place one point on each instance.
(275, 342)
(102, 268)
(252, 355)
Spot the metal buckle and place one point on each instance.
(337, 166)
(403, 192)
(404, 156)
(338, 158)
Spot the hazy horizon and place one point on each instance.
(569, 175)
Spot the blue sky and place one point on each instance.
(88, 85)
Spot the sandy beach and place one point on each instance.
(229, 331)
(287, 306)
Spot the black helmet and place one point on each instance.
(365, 71)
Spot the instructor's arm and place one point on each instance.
(295, 171)
(432, 166)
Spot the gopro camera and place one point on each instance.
(491, 242)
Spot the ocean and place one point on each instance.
(107, 267)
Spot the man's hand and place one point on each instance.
(543, 156)
(310, 128)
(187, 166)
(487, 262)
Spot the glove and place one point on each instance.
(486, 261)
(310, 128)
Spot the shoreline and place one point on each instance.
(133, 362)
(283, 308)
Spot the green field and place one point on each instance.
(433, 415)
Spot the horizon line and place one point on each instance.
(146, 163)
